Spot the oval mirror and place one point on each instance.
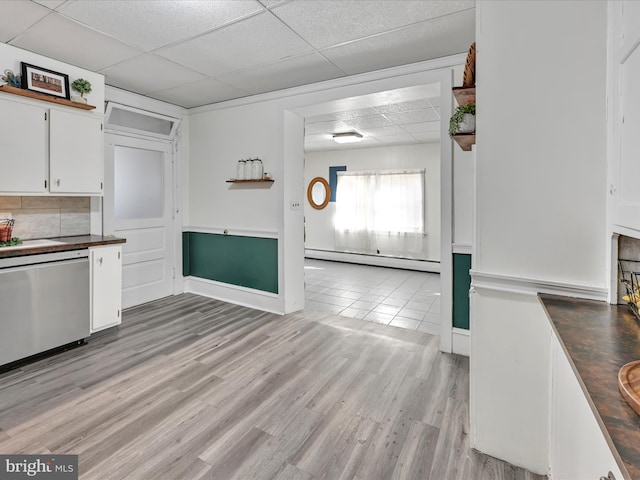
(318, 193)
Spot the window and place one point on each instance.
(380, 212)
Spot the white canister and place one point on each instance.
(248, 163)
(240, 170)
(256, 169)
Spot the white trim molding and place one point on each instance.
(236, 232)
(378, 261)
(247, 297)
(462, 248)
(532, 286)
(461, 341)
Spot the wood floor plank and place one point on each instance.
(192, 388)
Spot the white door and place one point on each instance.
(138, 206)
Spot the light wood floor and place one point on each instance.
(193, 388)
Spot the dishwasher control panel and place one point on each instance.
(44, 258)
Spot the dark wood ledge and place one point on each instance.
(599, 339)
(67, 243)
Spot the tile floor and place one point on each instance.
(402, 298)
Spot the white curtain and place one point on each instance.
(381, 212)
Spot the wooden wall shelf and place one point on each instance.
(465, 140)
(250, 181)
(464, 94)
(46, 98)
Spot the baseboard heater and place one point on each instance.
(375, 260)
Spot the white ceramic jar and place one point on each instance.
(240, 170)
(248, 163)
(256, 169)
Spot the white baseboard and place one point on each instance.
(362, 259)
(247, 297)
(461, 341)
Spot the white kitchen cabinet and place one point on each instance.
(49, 149)
(23, 136)
(578, 445)
(106, 286)
(76, 153)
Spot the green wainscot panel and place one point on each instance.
(245, 261)
(461, 285)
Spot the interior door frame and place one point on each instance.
(296, 108)
(108, 215)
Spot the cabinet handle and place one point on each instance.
(100, 261)
(58, 182)
(610, 476)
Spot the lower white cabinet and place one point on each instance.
(579, 449)
(106, 286)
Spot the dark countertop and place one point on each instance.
(599, 339)
(67, 243)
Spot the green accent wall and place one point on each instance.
(461, 285)
(245, 261)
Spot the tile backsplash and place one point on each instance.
(43, 217)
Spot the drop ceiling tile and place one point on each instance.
(404, 106)
(257, 40)
(151, 24)
(397, 139)
(17, 16)
(350, 114)
(414, 116)
(149, 73)
(202, 92)
(317, 138)
(291, 72)
(328, 127)
(438, 38)
(52, 4)
(332, 22)
(384, 131)
(62, 39)
(372, 121)
(422, 127)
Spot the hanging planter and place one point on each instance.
(463, 119)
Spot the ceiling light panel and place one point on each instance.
(152, 24)
(65, 40)
(332, 22)
(255, 41)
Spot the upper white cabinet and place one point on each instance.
(75, 153)
(624, 169)
(45, 149)
(23, 136)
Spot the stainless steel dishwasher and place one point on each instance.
(44, 302)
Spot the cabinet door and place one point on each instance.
(106, 287)
(75, 153)
(578, 448)
(23, 138)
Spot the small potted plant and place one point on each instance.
(463, 119)
(81, 86)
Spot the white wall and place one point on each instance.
(540, 205)
(319, 223)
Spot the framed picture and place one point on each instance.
(42, 80)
